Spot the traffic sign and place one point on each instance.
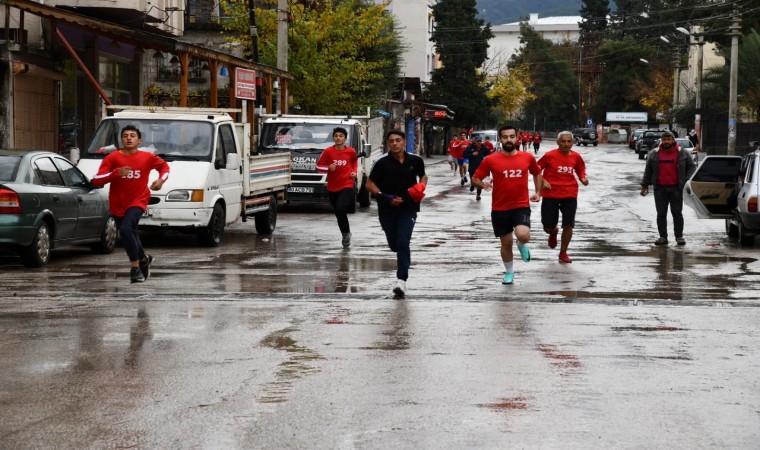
(589, 122)
(245, 83)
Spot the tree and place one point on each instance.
(344, 54)
(552, 79)
(510, 92)
(461, 40)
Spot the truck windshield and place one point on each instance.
(172, 139)
(299, 136)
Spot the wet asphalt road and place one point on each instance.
(289, 341)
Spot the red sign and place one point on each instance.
(245, 83)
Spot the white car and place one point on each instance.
(727, 187)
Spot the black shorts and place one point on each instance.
(551, 207)
(504, 222)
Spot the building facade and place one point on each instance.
(414, 19)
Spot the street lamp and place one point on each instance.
(697, 33)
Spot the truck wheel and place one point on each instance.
(107, 238)
(745, 239)
(211, 236)
(364, 200)
(642, 155)
(37, 254)
(732, 231)
(265, 221)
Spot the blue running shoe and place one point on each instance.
(509, 277)
(525, 253)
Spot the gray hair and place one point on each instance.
(570, 133)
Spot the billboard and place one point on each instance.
(627, 117)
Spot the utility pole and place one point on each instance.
(282, 49)
(735, 30)
(253, 30)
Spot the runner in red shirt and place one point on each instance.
(127, 170)
(510, 207)
(560, 168)
(536, 142)
(340, 162)
(488, 143)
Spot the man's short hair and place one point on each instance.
(569, 133)
(396, 132)
(131, 128)
(506, 127)
(340, 130)
(667, 134)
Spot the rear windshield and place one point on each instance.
(300, 136)
(9, 167)
(654, 134)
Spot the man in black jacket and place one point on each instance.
(668, 167)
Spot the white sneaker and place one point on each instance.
(399, 289)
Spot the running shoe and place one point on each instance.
(145, 265)
(136, 275)
(525, 253)
(661, 241)
(399, 290)
(553, 238)
(680, 241)
(564, 258)
(472, 187)
(478, 197)
(509, 278)
(346, 240)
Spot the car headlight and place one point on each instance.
(185, 195)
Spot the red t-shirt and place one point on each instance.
(667, 174)
(559, 170)
(509, 174)
(489, 144)
(131, 190)
(345, 161)
(457, 147)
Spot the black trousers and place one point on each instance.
(341, 203)
(664, 197)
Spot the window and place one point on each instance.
(225, 144)
(47, 172)
(72, 175)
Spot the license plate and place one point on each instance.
(300, 190)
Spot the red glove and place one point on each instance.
(417, 192)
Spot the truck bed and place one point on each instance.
(267, 173)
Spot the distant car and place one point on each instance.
(635, 134)
(646, 141)
(728, 187)
(585, 136)
(683, 143)
(46, 202)
(493, 134)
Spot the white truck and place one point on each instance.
(214, 178)
(305, 137)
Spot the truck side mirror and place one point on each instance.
(365, 151)
(233, 161)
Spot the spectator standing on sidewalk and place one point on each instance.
(510, 207)
(667, 169)
(127, 169)
(389, 181)
(560, 191)
(340, 163)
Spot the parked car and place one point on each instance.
(585, 136)
(646, 141)
(683, 143)
(635, 135)
(46, 202)
(493, 134)
(726, 187)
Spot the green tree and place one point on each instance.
(344, 54)
(552, 80)
(624, 76)
(461, 40)
(510, 92)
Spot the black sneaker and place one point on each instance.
(136, 275)
(145, 265)
(346, 240)
(472, 187)
(399, 290)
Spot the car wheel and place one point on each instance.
(211, 236)
(642, 155)
(37, 254)
(745, 239)
(596, 143)
(732, 230)
(108, 238)
(265, 221)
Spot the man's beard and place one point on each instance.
(509, 146)
(666, 146)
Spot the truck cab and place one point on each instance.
(306, 137)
